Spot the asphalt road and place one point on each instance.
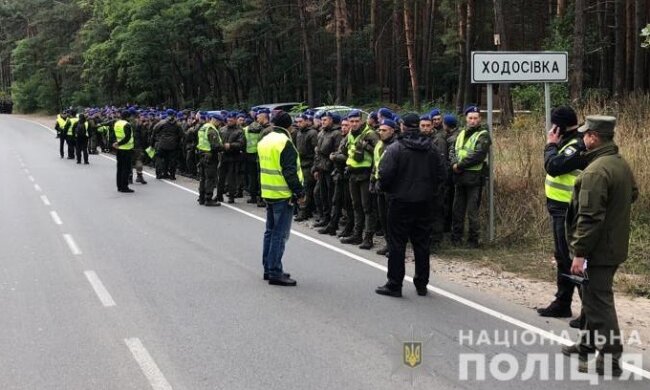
(103, 290)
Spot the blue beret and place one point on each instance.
(319, 114)
(240, 115)
(336, 118)
(231, 114)
(309, 112)
(435, 112)
(264, 111)
(170, 112)
(385, 112)
(373, 115)
(327, 113)
(471, 109)
(450, 120)
(425, 117)
(180, 115)
(389, 122)
(354, 114)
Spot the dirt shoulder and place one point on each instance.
(520, 288)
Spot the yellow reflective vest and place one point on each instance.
(465, 147)
(367, 156)
(120, 134)
(560, 187)
(272, 182)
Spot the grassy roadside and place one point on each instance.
(524, 242)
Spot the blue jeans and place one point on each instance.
(278, 227)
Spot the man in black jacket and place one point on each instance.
(167, 136)
(410, 172)
(306, 142)
(234, 143)
(563, 162)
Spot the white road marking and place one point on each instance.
(463, 301)
(37, 188)
(31, 178)
(99, 288)
(45, 200)
(147, 365)
(55, 218)
(73, 245)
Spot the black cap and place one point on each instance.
(411, 120)
(564, 117)
(282, 119)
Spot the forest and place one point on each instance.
(227, 53)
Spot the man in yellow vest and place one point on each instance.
(563, 162)
(59, 126)
(281, 182)
(360, 143)
(122, 137)
(208, 146)
(469, 166)
(68, 133)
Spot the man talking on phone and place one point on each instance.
(563, 162)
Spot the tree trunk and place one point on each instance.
(505, 98)
(469, 45)
(461, 11)
(619, 56)
(338, 16)
(639, 55)
(410, 52)
(561, 8)
(630, 38)
(576, 76)
(307, 48)
(397, 45)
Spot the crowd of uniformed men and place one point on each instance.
(339, 159)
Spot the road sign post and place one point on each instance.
(505, 67)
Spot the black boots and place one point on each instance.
(140, 179)
(367, 241)
(354, 239)
(555, 309)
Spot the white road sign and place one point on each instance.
(519, 67)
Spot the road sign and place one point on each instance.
(519, 67)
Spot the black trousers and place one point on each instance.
(466, 201)
(326, 190)
(253, 174)
(382, 210)
(228, 178)
(565, 287)
(191, 161)
(408, 222)
(123, 168)
(61, 145)
(310, 183)
(364, 210)
(81, 146)
(165, 163)
(70, 140)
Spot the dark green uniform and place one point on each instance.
(208, 145)
(598, 229)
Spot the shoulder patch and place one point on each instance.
(569, 151)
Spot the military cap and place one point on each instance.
(471, 109)
(425, 117)
(354, 114)
(389, 123)
(600, 124)
(434, 112)
(450, 120)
